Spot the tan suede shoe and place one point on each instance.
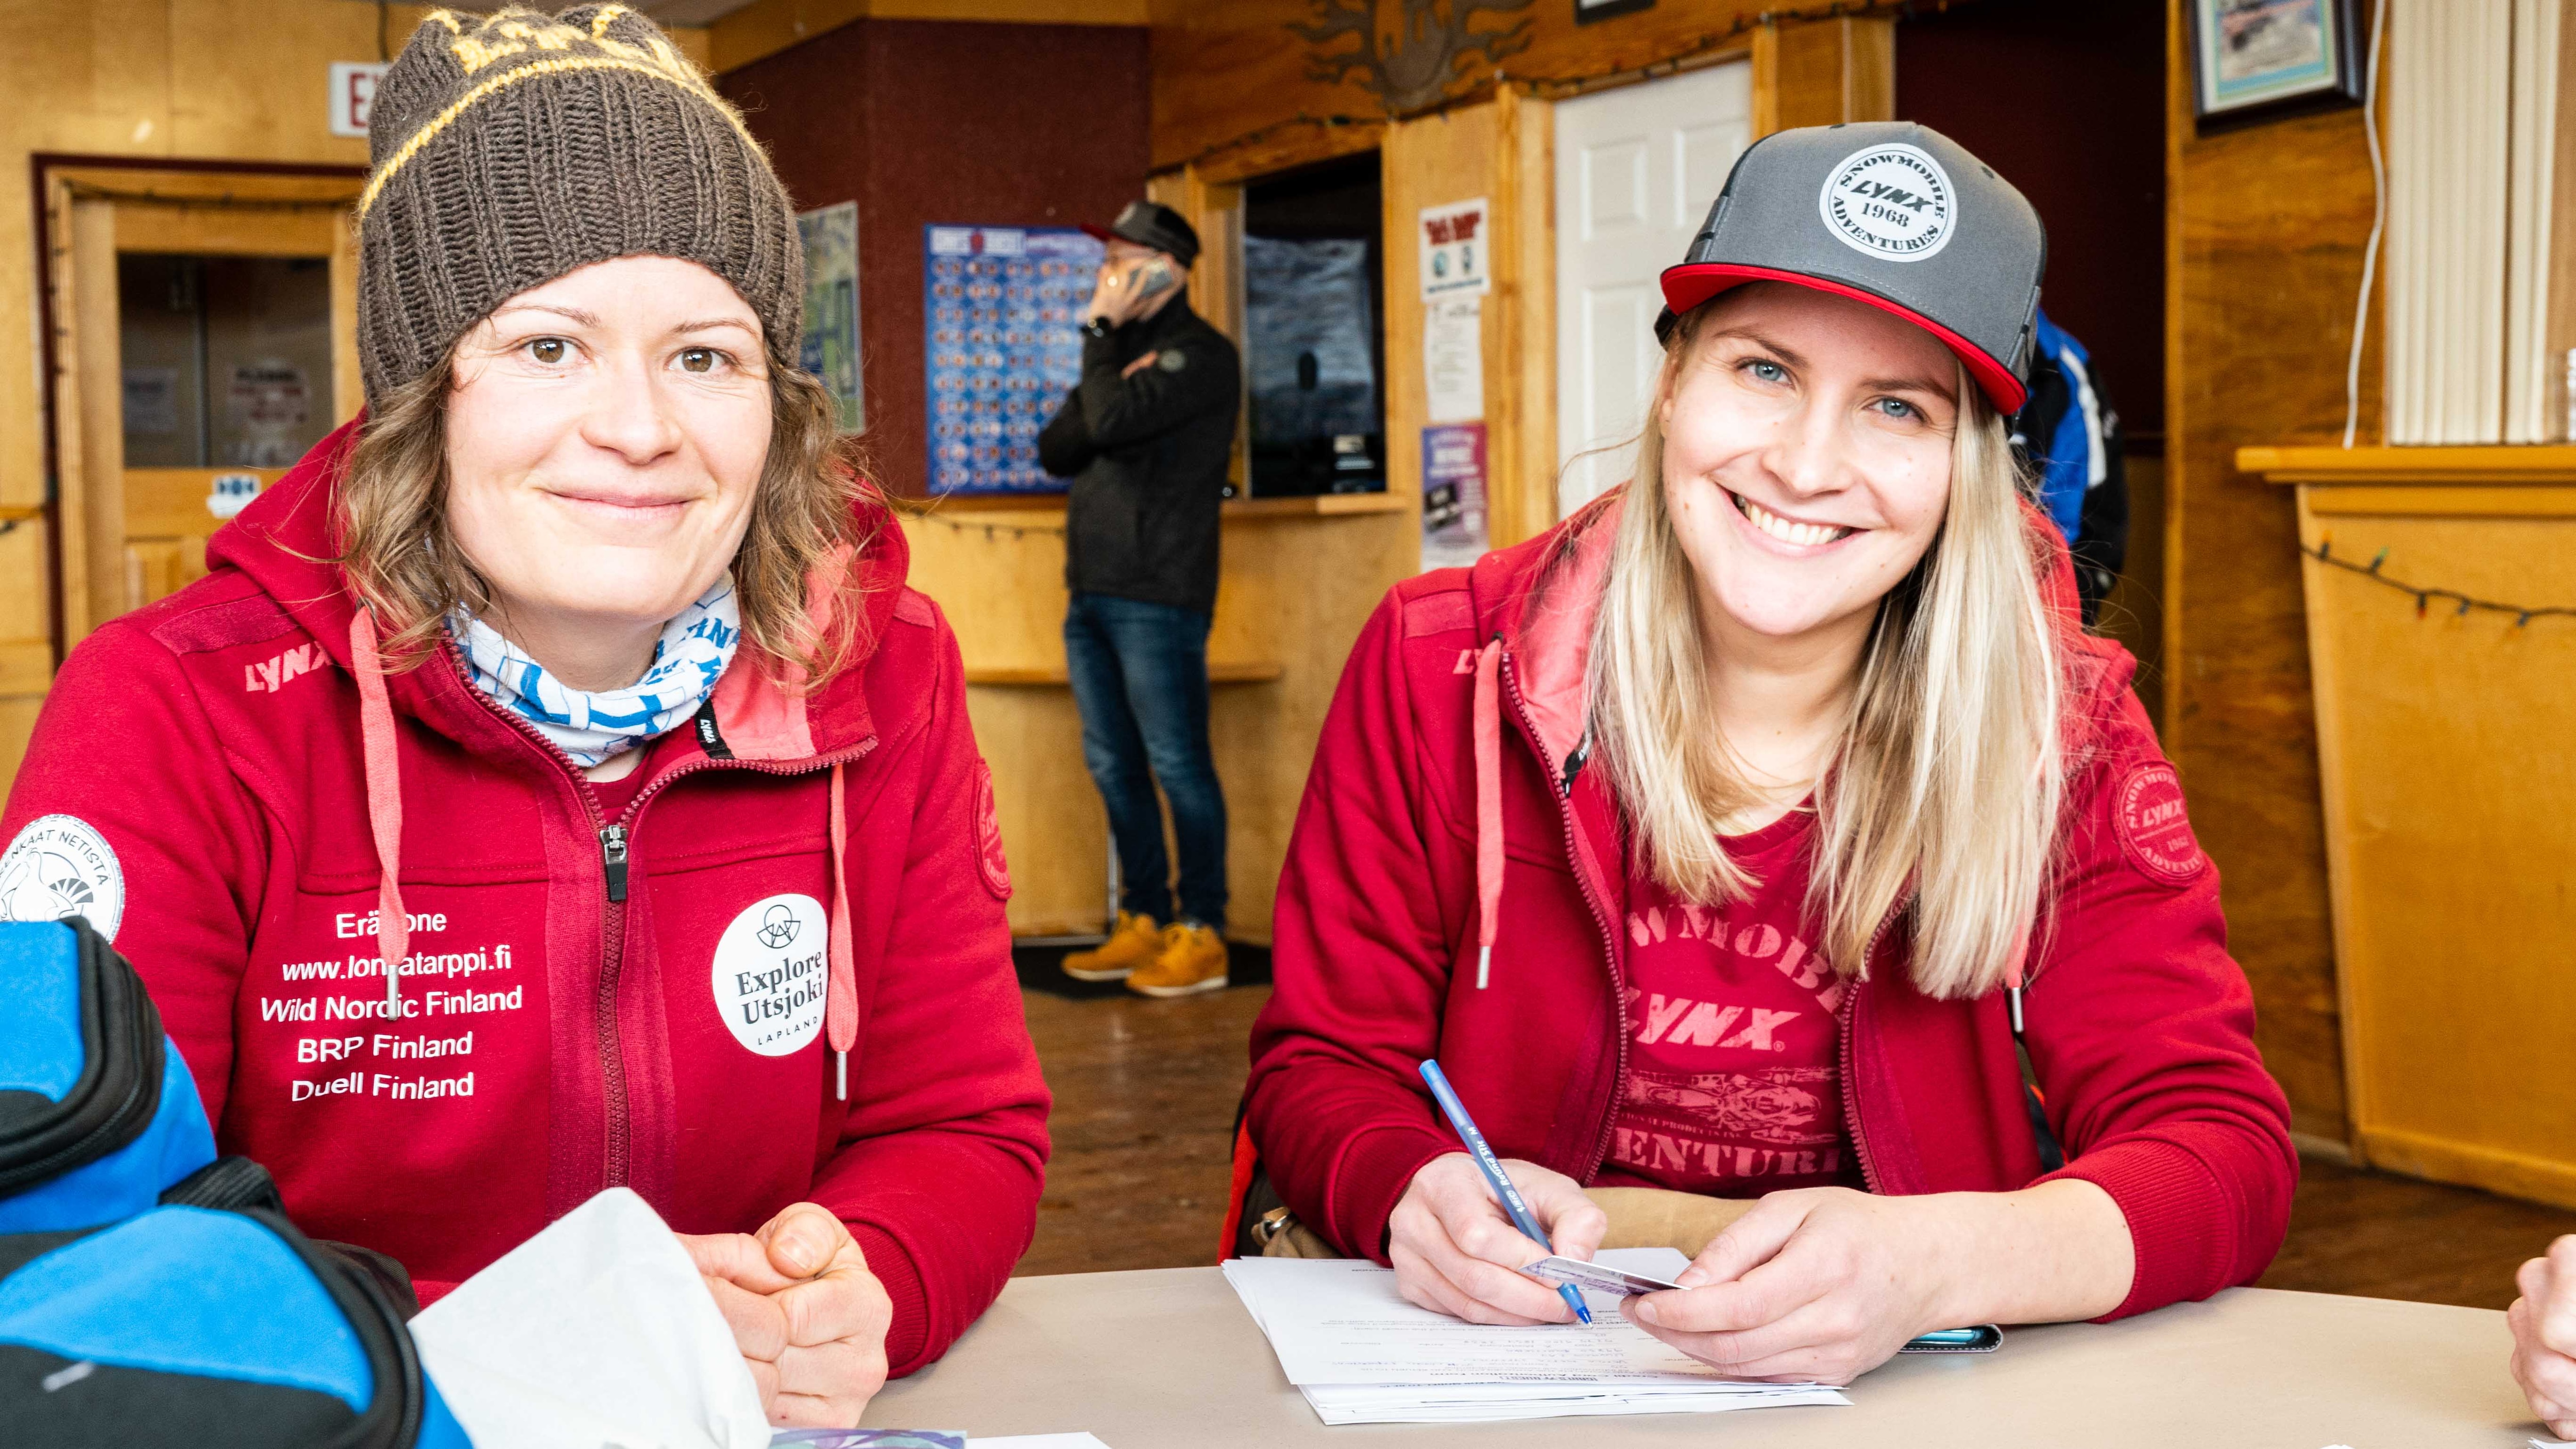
(1192, 960)
(1132, 944)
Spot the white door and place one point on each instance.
(1636, 171)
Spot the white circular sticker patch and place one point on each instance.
(61, 866)
(1890, 201)
(772, 966)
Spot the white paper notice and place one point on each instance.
(1453, 359)
(596, 1331)
(1454, 240)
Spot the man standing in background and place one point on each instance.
(1145, 437)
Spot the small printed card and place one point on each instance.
(1598, 1277)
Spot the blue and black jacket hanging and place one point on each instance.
(2070, 437)
(151, 1293)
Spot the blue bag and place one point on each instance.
(98, 1115)
(187, 1326)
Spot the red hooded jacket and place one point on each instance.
(254, 806)
(1449, 812)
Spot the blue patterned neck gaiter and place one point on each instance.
(591, 725)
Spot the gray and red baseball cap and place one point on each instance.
(1889, 213)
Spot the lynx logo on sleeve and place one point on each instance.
(2154, 831)
(988, 836)
(61, 866)
(770, 970)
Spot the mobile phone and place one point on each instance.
(1155, 278)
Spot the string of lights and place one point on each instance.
(929, 512)
(2523, 614)
(1699, 47)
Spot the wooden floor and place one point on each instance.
(1144, 1116)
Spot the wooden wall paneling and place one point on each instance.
(2265, 232)
(1226, 68)
(1527, 507)
(1433, 161)
(1823, 73)
(2445, 806)
(92, 408)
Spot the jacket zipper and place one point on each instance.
(615, 839)
(1849, 1025)
(1600, 922)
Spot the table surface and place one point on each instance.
(1168, 1357)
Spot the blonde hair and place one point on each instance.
(402, 561)
(1948, 780)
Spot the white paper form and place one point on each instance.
(1341, 1321)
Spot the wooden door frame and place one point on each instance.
(174, 179)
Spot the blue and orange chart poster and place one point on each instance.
(1002, 320)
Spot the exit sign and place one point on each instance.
(353, 95)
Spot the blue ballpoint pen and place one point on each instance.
(1456, 1111)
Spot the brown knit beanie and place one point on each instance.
(510, 149)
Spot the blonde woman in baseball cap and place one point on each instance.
(553, 786)
(1769, 860)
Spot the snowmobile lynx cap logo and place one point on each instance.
(61, 866)
(771, 972)
(1890, 201)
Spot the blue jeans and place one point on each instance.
(1139, 674)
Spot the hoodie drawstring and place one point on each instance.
(384, 817)
(384, 802)
(841, 997)
(1489, 805)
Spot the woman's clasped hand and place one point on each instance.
(808, 1315)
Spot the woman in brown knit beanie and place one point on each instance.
(638, 838)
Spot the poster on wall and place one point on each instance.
(1453, 241)
(831, 349)
(1453, 495)
(1453, 359)
(1002, 323)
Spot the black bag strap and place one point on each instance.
(2052, 1153)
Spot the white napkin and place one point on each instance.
(596, 1331)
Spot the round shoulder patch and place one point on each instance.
(60, 866)
(1893, 202)
(2155, 833)
(771, 969)
(988, 836)
(1171, 359)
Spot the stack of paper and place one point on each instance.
(1362, 1355)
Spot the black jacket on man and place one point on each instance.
(1147, 452)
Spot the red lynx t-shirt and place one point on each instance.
(1734, 1084)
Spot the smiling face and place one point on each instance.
(605, 438)
(1806, 457)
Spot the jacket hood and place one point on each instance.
(287, 543)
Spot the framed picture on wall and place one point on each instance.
(2253, 60)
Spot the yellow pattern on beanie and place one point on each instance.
(512, 148)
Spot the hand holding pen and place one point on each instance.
(1457, 1251)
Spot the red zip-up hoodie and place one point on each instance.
(1449, 828)
(584, 1002)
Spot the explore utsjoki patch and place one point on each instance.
(771, 971)
(2155, 831)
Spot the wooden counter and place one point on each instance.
(2450, 799)
(1298, 577)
